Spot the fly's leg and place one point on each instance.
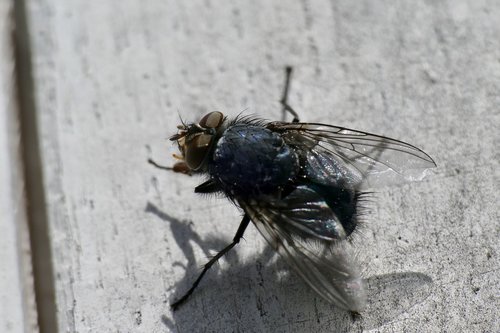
(295, 115)
(179, 167)
(241, 230)
(210, 186)
(284, 97)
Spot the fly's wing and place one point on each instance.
(374, 159)
(326, 265)
(306, 213)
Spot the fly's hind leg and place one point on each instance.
(284, 97)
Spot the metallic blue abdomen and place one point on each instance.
(252, 160)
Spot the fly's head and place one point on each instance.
(196, 140)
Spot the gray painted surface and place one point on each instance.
(127, 239)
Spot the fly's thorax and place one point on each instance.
(196, 140)
(250, 160)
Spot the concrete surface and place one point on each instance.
(111, 78)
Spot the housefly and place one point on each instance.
(301, 185)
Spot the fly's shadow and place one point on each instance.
(391, 295)
(184, 234)
(262, 291)
(264, 283)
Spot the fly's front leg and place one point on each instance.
(284, 97)
(179, 167)
(241, 230)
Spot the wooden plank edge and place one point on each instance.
(14, 210)
(34, 233)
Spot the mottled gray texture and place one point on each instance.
(128, 239)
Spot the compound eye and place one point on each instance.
(212, 120)
(197, 149)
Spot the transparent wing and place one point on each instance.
(326, 266)
(376, 159)
(306, 213)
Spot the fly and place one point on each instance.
(301, 185)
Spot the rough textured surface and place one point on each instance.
(128, 239)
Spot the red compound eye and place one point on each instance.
(212, 120)
(196, 150)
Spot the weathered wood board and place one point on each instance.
(111, 78)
